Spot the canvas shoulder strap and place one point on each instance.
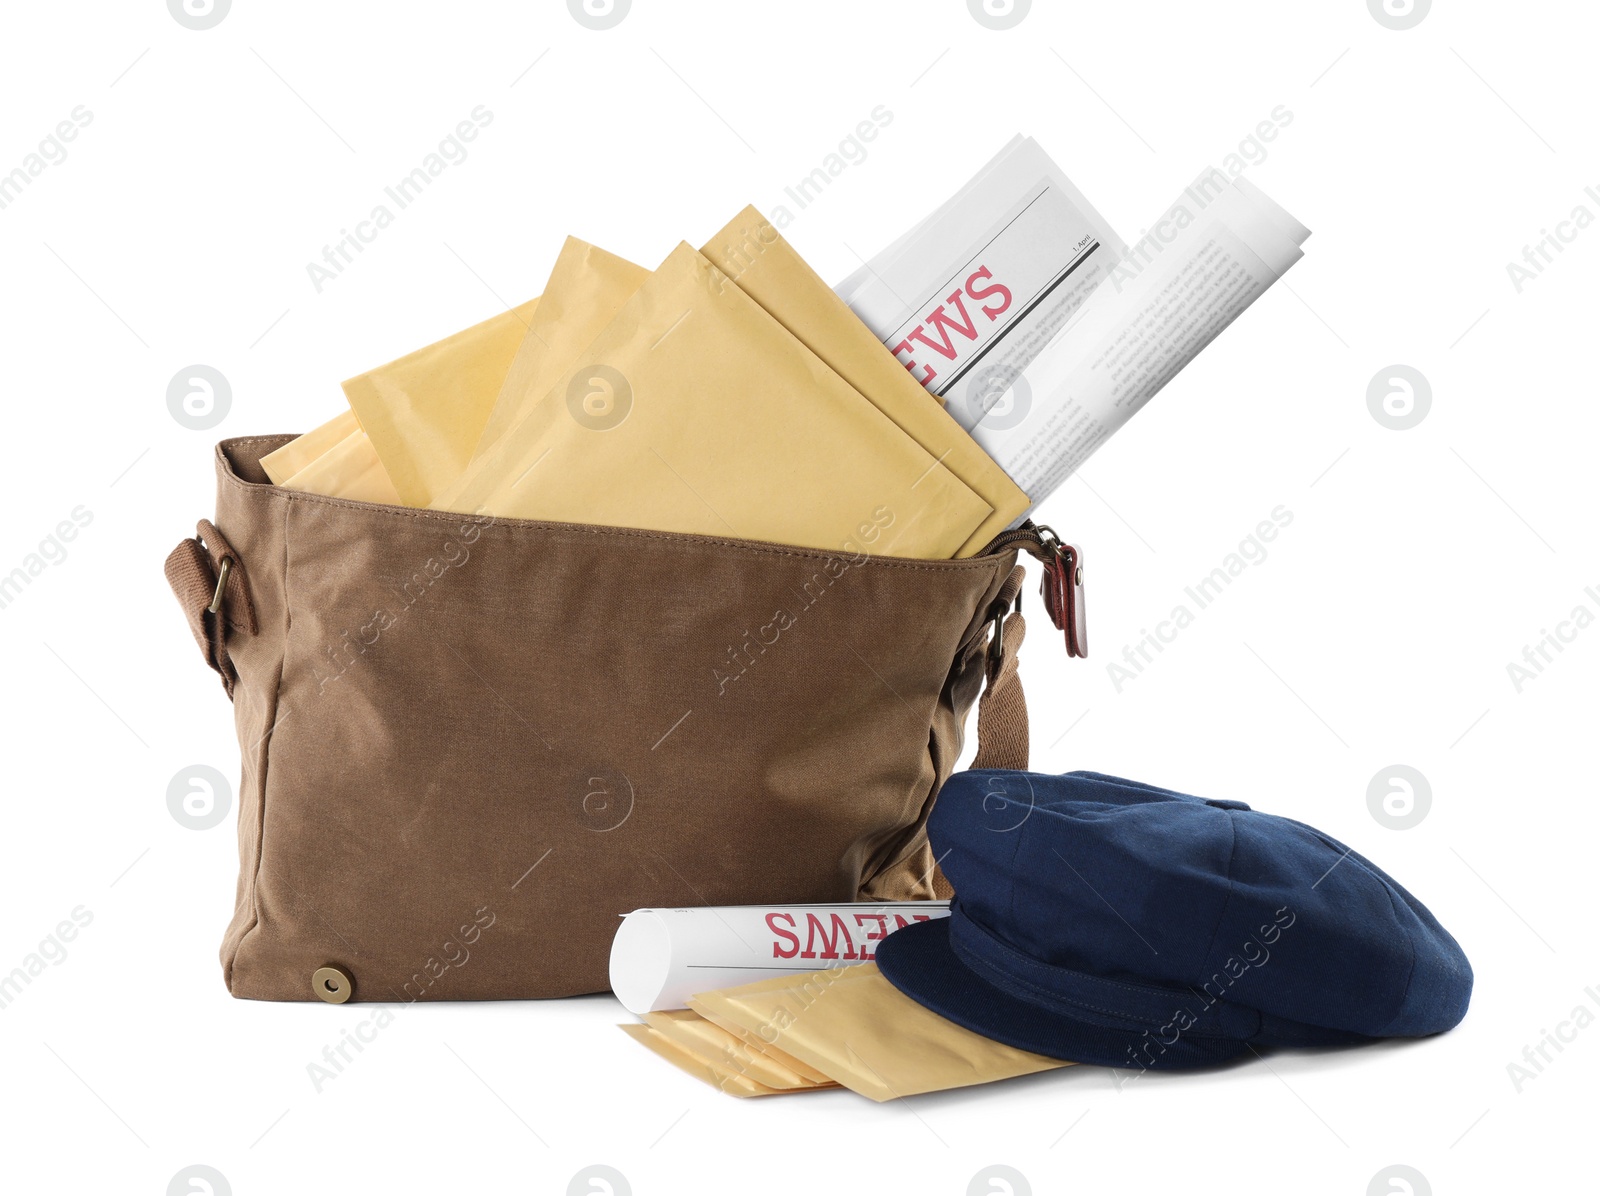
(1002, 710)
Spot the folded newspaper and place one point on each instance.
(662, 957)
(1043, 332)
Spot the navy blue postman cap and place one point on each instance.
(1109, 922)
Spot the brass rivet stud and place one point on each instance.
(332, 985)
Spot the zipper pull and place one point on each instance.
(1061, 587)
(1062, 584)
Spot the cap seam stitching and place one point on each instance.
(1233, 852)
(1411, 974)
(1016, 850)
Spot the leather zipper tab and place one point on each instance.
(1062, 584)
(1061, 587)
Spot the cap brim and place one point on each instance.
(918, 960)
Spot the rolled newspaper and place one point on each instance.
(662, 957)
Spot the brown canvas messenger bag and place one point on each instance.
(470, 744)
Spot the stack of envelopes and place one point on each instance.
(847, 1027)
(729, 392)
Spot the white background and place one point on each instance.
(1378, 631)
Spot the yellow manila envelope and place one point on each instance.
(282, 464)
(350, 469)
(424, 412)
(855, 1027)
(587, 287)
(695, 411)
(759, 1039)
(713, 1045)
(728, 1081)
(766, 267)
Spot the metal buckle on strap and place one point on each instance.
(222, 581)
(997, 634)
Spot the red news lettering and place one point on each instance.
(794, 942)
(994, 313)
(786, 943)
(944, 326)
(868, 951)
(911, 364)
(882, 932)
(830, 935)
